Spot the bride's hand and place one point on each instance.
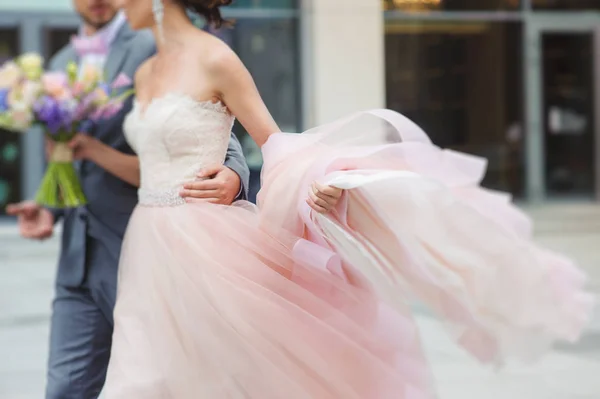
(323, 198)
(85, 146)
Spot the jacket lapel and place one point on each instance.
(118, 53)
(70, 55)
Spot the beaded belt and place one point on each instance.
(159, 197)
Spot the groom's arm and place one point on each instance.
(236, 161)
(221, 183)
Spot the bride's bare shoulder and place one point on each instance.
(216, 55)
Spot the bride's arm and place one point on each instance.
(124, 166)
(237, 89)
(235, 86)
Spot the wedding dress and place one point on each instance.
(275, 301)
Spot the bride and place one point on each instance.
(281, 301)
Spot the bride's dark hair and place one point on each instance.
(209, 9)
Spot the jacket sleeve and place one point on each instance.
(236, 161)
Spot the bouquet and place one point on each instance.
(60, 102)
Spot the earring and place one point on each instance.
(159, 11)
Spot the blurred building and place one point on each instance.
(515, 81)
(511, 80)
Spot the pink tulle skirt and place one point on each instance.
(278, 302)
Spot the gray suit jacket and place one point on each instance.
(111, 200)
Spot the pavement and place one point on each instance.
(570, 372)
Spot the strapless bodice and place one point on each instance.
(175, 136)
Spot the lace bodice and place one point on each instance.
(175, 136)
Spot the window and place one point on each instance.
(568, 109)
(56, 38)
(462, 83)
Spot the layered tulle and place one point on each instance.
(210, 305)
(279, 302)
(416, 220)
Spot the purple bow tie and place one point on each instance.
(89, 45)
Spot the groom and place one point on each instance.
(82, 321)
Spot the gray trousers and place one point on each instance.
(81, 329)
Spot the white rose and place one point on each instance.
(25, 94)
(32, 65)
(30, 92)
(10, 75)
(21, 117)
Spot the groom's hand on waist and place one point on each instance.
(217, 184)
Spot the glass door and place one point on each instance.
(563, 105)
(568, 110)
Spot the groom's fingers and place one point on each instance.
(191, 200)
(210, 171)
(215, 186)
(13, 209)
(203, 185)
(204, 189)
(201, 194)
(27, 209)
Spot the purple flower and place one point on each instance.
(67, 112)
(56, 115)
(47, 111)
(84, 107)
(3, 100)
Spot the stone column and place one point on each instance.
(342, 45)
